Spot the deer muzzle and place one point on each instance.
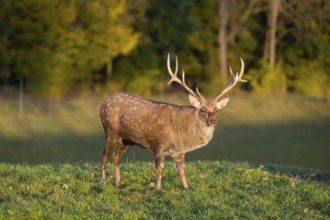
(212, 121)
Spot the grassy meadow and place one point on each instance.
(218, 190)
(289, 130)
(50, 164)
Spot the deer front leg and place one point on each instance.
(159, 165)
(180, 166)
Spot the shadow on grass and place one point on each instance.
(301, 143)
(49, 148)
(298, 172)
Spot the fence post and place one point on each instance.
(21, 97)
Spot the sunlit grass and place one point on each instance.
(217, 190)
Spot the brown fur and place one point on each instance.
(166, 129)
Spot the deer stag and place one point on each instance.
(166, 129)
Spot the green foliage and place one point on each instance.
(217, 190)
(144, 69)
(202, 58)
(308, 61)
(147, 83)
(57, 45)
(304, 47)
(311, 79)
(165, 28)
(140, 73)
(65, 47)
(268, 82)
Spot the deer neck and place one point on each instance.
(193, 131)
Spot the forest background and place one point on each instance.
(60, 59)
(67, 48)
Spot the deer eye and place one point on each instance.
(204, 110)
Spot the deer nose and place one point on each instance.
(213, 121)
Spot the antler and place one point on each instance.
(174, 78)
(237, 78)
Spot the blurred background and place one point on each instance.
(60, 59)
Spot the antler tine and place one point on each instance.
(174, 78)
(199, 94)
(232, 75)
(176, 65)
(173, 75)
(242, 71)
(236, 78)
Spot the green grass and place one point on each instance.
(218, 190)
(289, 130)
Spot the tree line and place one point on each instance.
(59, 48)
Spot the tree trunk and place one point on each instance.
(223, 42)
(272, 22)
(109, 68)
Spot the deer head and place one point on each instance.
(207, 109)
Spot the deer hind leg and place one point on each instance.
(159, 165)
(180, 166)
(113, 143)
(105, 157)
(116, 155)
(106, 152)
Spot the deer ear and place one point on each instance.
(194, 101)
(222, 103)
